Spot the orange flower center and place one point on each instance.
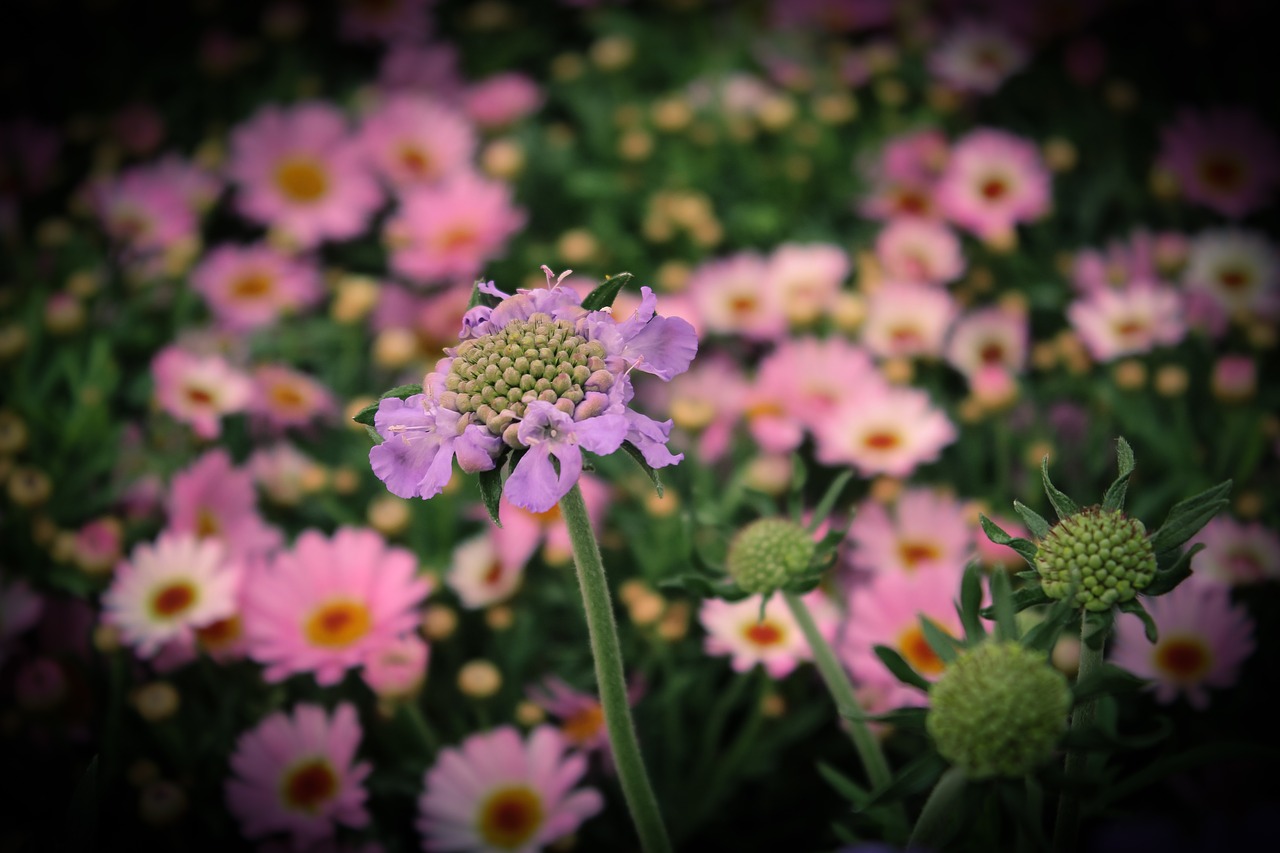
(199, 396)
(1234, 278)
(416, 162)
(906, 336)
(1222, 172)
(220, 634)
(457, 237)
(1184, 658)
(763, 633)
(742, 305)
(916, 650)
(494, 573)
(302, 180)
(882, 440)
(583, 725)
(912, 202)
(309, 785)
(252, 286)
(207, 524)
(994, 189)
(337, 624)
(510, 816)
(1129, 328)
(287, 397)
(915, 553)
(173, 599)
(764, 409)
(991, 353)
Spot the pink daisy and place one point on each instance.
(397, 670)
(1203, 640)
(927, 531)
(523, 532)
(167, 589)
(298, 170)
(976, 57)
(804, 279)
(730, 298)
(198, 390)
(705, 403)
(479, 575)
(283, 472)
(213, 499)
(502, 99)
(1114, 323)
(1115, 266)
(284, 397)
(143, 211)
(1234, 378)
(327, 604)
(1237, 270)
(989, 336)
(904, 176)
(920, 251)
(433, 68)
(296, 773)
(414, 139)
(884, 430)
(498, 792)
(1225, 159)
(908, 320)
(249, 287)
(993, 181)
(445, 234)
(774, 641)
(1237, 553)
(580, 715)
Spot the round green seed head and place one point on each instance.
(1103, 555)
(766, 553)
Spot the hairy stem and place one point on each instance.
(1066, 829)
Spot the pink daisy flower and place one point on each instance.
(446, 233)
(884, 430)
(502, 99)
(397, 670)
(730, 298)
(297, 773)
(904, 176)
(298, 170)
(1114, 266)
(213, 499)
(1238, 271)
(479, 575)
(704, 403)
(908, 320)
(1113, 323)
(167, 589)
(1225, 159)
(989, 336)
(498, 792)
(523, 532)
(1204, 639)
(805, 279)
(926, 531)
(920, 251)
(284, 397)
(143, 211)
(977, 57)
(993, 181)
(248, 287)
(580, 715)
(1237, 553)
(433, 68)
(198, 390)
(284, 472)
(774, 641)
(327, 604)
(414, 139)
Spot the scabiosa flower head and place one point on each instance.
(993, 181)
(1113, 323)
(327, 604)
(1237, 553)
(767, 553)
(774, 641)
(479, 575)
(248, 287)
(884, 430)
(977, 57)
(1237, 270)
(998, 710)
(413, 139)
(298, 170)
(199, 389)
(730, 297)
(167, 589)
(1225, 159)
(286, 397)
(1101, 557)
(296, 773)
(804, 279)
(1203, 640)
(446, 233)
(498, 792)
(995, 335)
(923, 251)
(213, 499)
(927, 530)
(536, 372)
(908, 320)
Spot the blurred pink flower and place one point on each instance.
(249, 287)
(1114, 323)
(1237, 270)
(975, 56)
(283, 471)
(385, 20)
(198, 389)
(502, 99)
(213, 499)
(480, 575)
(1237, 553)
(397, 670)
(431, 69)
(729, 297)
(414, 139)
(920, 251)
(522, 531)
(20, 610)
(284, 397)
(774, 641)
(884, 430)
(993, 181)
(908, 320)
(994, 335)
(926, 531)
(143, 210)
(804, 279)
(1223, 158)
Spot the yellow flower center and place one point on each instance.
(302, 180)
(254, 285)
(309, 785)
(173, 599)
(457, 237)
(915, 553)
(287, 397)
(510, 816)
(583, 725)
(916, 650)
(764, 634)
(882, 440)
(337, 624)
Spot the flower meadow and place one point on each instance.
(478, 425)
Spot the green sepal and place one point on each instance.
(1062, 505)
(365, 415)
(1114, 498)
(828, 500)
(898, 666)
(1106, 680)
(1025, 547)
(1036, 522)
(945, 646)
(1031, 595)
(491, 490)
(603, 296)
(634, 453)
(1044, 634)
(1188, 516)
(1168, 578)
(1002, 607)
(480, 298)
(1135, 607)
(971, 603)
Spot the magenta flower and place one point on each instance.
(1224, 159)
(993, 181)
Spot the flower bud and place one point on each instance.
(765, 554)
(1103, 556)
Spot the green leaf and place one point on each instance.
(971, 603)
(901, 670)
(634, 453)
(943, 644)
(828, 500)
(845, 787)
(1044, 634)
(1135, 607)
(704, 586)
(1168, 578)
(1002, 605)
(1114, 498)
(1062, 505)
(491, 490)
(1106, 680)
(603, 296)
(915, 778)
(479, 297)
(1035, 521)
(1032, 595)
(1188, 516)
(1025, 547)
(373, 434)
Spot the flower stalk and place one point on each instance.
(1066, 827)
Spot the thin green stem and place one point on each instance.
(1066, 829)
(611, 677)
(841, 690)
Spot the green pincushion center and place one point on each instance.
(1103, 555)
(766, 553)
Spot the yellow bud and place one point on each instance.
(479, 679)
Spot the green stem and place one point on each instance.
(420, 726)
(607, 652)
(841, 690)
(938, 818)
(1066, 829)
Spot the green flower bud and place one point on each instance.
(998, 710)
(1104, 555)
(765, 554)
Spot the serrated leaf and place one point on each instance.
(634, 453)
(898, 666)
(603, 296)
(1108, 679)
(1002, 607)
(1187, 517)
(1135, 607)
(491, 490)
(943, 644)
(1025, 547)
(1167, 579)
(1036, 523)
(1114, 498)
(1064, 506)
(971, 603)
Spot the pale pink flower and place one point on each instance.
(884, 430)
(1114, 323)
(414, 139)
(1237, 270)
(1115, 266)
(774, 641)
(908, 320)
(248, 287)
(299, 171)
(1224, 158)
(921, 251)
(143, 211)
(198, 390)
(730, 298)
(385, 20)
(903, 177)
(167, 589)
(432, 69)
(445, 234)
(926, 531)
(397, 669)
(502, 99)
(1203, 641)
(283, 472)
(705, 403)
(284, 397)
(993, 181)
(805, 279)
(329, 603)
(496, 791)
(523, 532)
(1237, 553)
(98, 544)
(977, 57)
(579, 714)
(995, 335)
(213, 499)
(297, 773)
(1234, 378)
(479, 575)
